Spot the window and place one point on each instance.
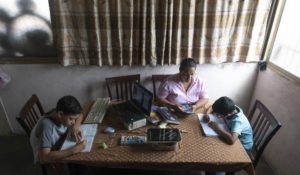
(286, 49)
(25, 30)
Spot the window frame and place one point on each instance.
(33, 59)
(277, 14)
(29, 60)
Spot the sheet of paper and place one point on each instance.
(88, 132)
(208, 131)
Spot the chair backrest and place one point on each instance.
(264, 126)
(122, 86)
(30, 114)
(156, 80)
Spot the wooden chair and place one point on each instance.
(30, 114)
(264, 126)
(122, 86)
(158, 79)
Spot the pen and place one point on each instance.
(183, 131)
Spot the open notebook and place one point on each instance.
(208, 131)
(88, 133)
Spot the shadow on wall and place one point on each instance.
(24, 32)
(96, 89)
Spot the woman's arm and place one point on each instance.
(167, 103)
(199, 104)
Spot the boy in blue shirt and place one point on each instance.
(236, 121)
(238, 124)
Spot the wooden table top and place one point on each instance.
(196, 152)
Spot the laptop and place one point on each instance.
(134, 113)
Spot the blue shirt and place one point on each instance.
(240, 125)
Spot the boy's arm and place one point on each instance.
(47, 156)
(75, 130)
(78, 121)
(229, 137)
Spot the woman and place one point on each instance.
(183, 88)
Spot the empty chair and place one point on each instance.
(156, 80)
(30, 114)
(264, 126)
(121, 87)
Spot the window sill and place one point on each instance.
(29, 60)
(286, 74)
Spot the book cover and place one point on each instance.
(208, 131)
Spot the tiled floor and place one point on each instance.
(16, 158)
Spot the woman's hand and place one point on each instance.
(194, 108)
(178, 108)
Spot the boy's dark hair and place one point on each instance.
(186, 63)
(69, 105)
(223, 106)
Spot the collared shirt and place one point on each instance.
(240, 125)
(172, 89)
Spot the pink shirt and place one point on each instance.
(172, 89)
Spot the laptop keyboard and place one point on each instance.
(98, 110)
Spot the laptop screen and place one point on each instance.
(142, 97)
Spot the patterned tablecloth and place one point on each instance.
(195, 153)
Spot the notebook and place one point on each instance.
(134, 113)
(88, 132)
(208, 131)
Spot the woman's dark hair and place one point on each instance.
(69, 105)
(187, 63)
(223, 106)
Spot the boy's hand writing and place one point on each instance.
(79, 146)
(206, 118)
(213, 125)
(76, 134)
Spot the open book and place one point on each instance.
(208, 131)
(88, 133)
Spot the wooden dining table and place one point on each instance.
(195, 152)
